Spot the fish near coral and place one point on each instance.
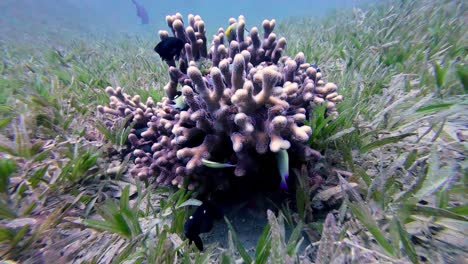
(315, 67)
(169, 47)
(282, 159)
(231, 32)
(201, 221)
(141, 13)
(179, 103)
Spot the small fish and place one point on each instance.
(179, 102)
(315, 67)
(282, 161)
(141, 13)
(231, 32)
(169, 47)
(201, 221)
(216, 165)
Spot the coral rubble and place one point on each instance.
(234, 105)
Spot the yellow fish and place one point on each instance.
(231, 32)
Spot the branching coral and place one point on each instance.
(249, 103)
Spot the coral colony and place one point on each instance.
(228, 108)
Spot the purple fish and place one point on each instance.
(141, 12)
(282, 159)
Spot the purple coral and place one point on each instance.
(250, 103)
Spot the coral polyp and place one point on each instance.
(235, 105)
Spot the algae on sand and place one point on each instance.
(382, 56)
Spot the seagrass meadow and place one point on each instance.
(377, 175)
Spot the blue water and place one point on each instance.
(25, 18)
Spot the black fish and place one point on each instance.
(169, 47)
(141, 12)
(201, 221)
(316, 67)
